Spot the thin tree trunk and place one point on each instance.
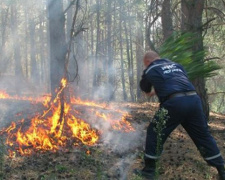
(42, 52)
(57, 43)
(34, 68)
(192, 12)
(129, 64)
(96, 76)
(3, 57)
(139, 52)
(26, 43)
(16, 45)
(111, 83)
(150, 20)
(121, 56)
(167, 22)
(69, 20)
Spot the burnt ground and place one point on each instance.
(113, 158)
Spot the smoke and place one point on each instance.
(93, 82)
(23, 47)
(118, 131)
(94, 73)
(121, 168)
(124, 145)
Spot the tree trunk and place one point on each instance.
(16, 44)
(69, 20)
(34, 69)
(26, 42)
(121, 56)
(42, 52)
(3, 57)
(96, 76)
(139, 52)
(167, 22)
(110, 69)
(129, 64)
(149, 22)
(57, 42)
(192, 11)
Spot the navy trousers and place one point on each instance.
(188, 112)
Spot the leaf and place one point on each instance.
(179, 48)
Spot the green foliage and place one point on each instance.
(61, 168)
(179, 48)
(160, 124)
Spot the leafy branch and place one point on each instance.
(179, 49)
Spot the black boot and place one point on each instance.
(221, 171)
(149, 170)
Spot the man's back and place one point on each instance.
(167, 78)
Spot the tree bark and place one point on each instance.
(129, 64)
(69, 20)
(57, 43)
(34, 69)
(96, 76)
(192, 11)
(149, 22)
(26, 28)
(3, 57)
(16, 45)
(139, 53)
(167, 22)
(111, 79)
(42, 52)
(121, 56)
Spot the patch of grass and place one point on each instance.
(204, 169)
(140, 155)
(136, 177)
(94, 162)
(49, 177)
(2, 153)
(61, 168)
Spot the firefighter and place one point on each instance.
(178, 96)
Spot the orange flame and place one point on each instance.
(57, 126)
(45, 99)
(117, 124)
(4, 95)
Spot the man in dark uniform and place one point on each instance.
(178, 96)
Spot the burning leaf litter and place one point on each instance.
(60, 126)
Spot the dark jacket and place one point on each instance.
(166, 77)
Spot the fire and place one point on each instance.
(82, 131)
(3, 95)
(45, 99)
(59, 126)
(87, 103)
(117, 124)
(105, 106)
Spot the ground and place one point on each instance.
(114, 159)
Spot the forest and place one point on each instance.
(78, 63)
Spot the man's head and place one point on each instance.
(149, 57)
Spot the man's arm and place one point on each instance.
(145, 85)
(152, 93)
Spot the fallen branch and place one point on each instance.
(213, 58)
(70, 5)
(215, 93)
